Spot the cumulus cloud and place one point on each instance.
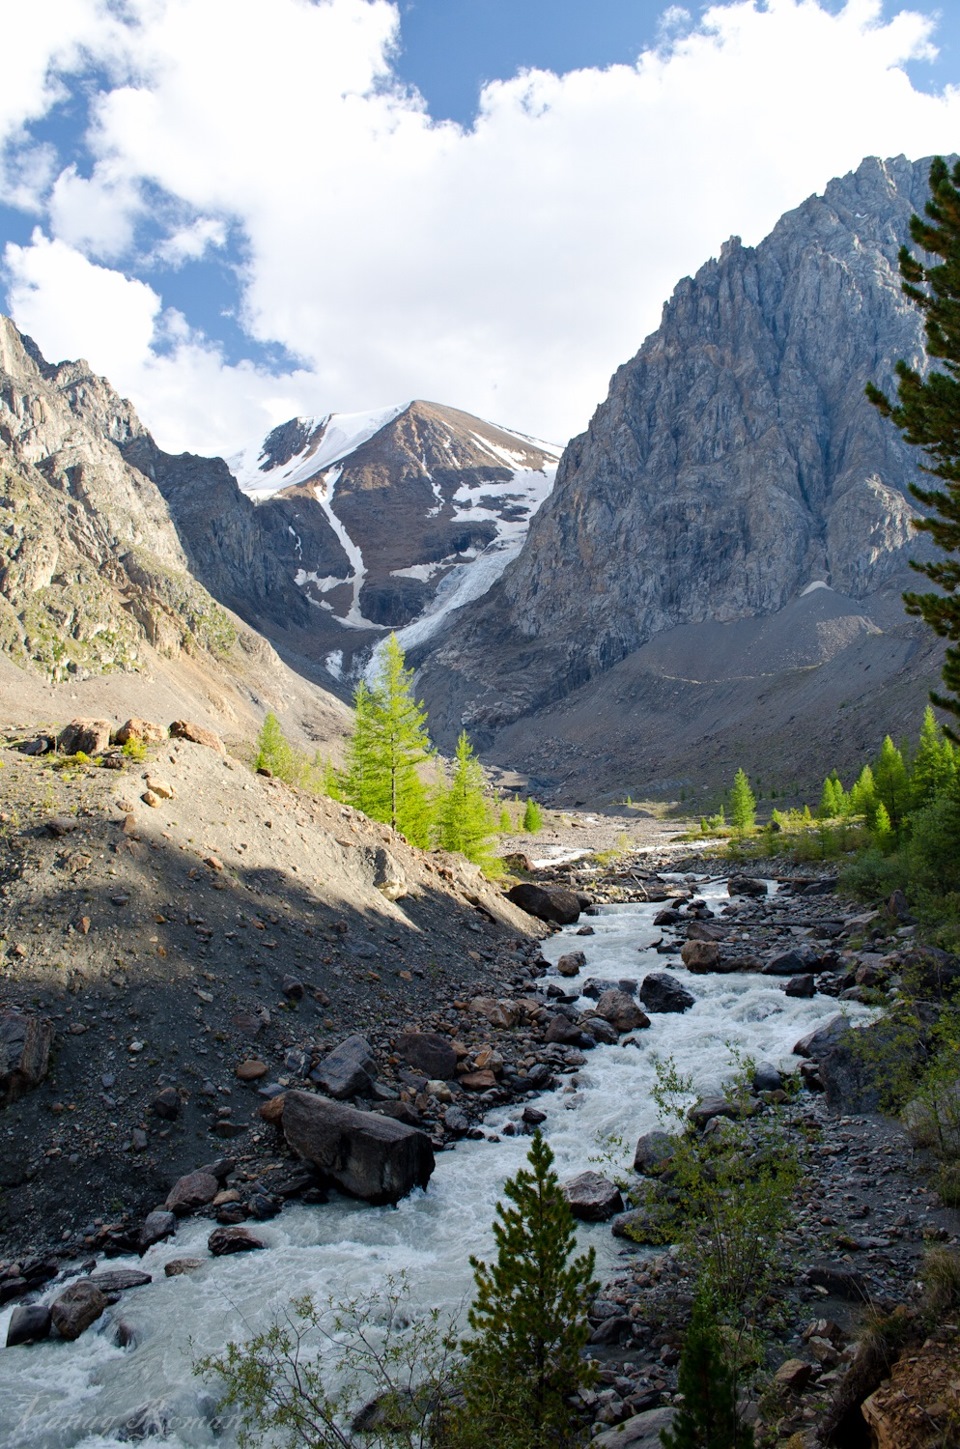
(507, 268)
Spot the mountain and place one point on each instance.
(348, 526)
(96, 595)
(734, 463)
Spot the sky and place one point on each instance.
(244, 210)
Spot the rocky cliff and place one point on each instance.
(734, 462)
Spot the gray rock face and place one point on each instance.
(364, 1154)
(734, 462)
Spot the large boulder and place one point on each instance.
(745, 885)
(79, 1305)
(193, 1191)
(547, 903)
(570, 963)
(25, 1041)
(185, 729)
(363, 1153)
(429, 1052)
(653, 1153)
(29, 1323)
(621, 1011)
(348, 1071)
(641, 1432)
(661, 992)
(700, 955)
(592, 1197)
(791, 963)
(823, 1039)
(91, 736)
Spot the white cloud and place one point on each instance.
(506, 269)
(96, 214)
(190, 243)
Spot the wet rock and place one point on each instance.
(745, 885)
(119, 1280)
(653, 1153)
(177, 1266)
(157, 1227)
(601, 1030)
(429, 1052)
(595, 987)
(89, 736)
(570, 963)
(802, 986)
(348, 1071)
(562, 1031)
(25, 1041)
(669, 916)
(364, 1153)
(789, 963)
(817, 1042)
(79, 1305)
(195, 1190)
(546, 903)
(592, 1197)
(700, 955)
(183, 729)
(661, 992)
(224, 1241)
(30, 1323)
(621, 1011)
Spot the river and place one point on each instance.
(59, 1395)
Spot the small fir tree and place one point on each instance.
(532, 817)
(528, 1318)
(506, 821)
(465, 820)
(388, 744)
(892, 783)
(274, 752)
(707, 1417)
(743, 805)
(934, 767)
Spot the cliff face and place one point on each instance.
(734, 462)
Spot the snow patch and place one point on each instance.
(817, 584)
(324, 493)
(334, 663)
(331, 438)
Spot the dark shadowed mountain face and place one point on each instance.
(734, 462)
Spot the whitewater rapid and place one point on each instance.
(78, 1395)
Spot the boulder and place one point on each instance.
(745, 885)
(840, 1281)
(25, 1041)
(157, 1227)
(669, 916)
(703, 931)
(661, 992)
(592, 1197)
(642, 1431)
(28, 1324)
(144, 731)
(595, 987)
(388, 875)
(184, 729)
(621, 1011)
(79, 1305)
(600, 1030)
(854, 1068)
(816, 1043)
(348, 1071)
(175, 1267)
(563, 1031)
(429, 1052)
(166, 1104)
(89, 736)
(570, 963)
(653, 1153)
(766, 1078)
(547, 903)
(363, 1153)
(700, 955)
(708, 1108)
(195, 1190)
(223, 1241)
(802, 986)
(118, 1280)
(789, 963)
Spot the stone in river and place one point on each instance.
(364, 1153)
(80, 1304)
(661, 992)
(592, 1197)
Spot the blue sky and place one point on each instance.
(239, 210)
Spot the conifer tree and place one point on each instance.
(927, 412)
(892, 782)
(934, 767)
(389, 742)
(274, 752)
(743, 805)
(831, 799)
(532, 817)
(528, 1318)
(707, 1418)
(465, 821)
(863, 795)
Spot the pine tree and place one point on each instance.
(707, 1418)
(892, 782)
(465, 819)
(934, 767)
(532, 817)
(928, 412)
(863, 795)
(528, 1318)
(388, 743)
(743, 805)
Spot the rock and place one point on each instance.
(642, 1431)
(802, 986)
(547, 903)
(388, 875)
(272, 1109)
(481, 1080)
(149, 798)
(29, 1323)
(429, 1052)
(174, 1267)
(166, 1104)
(702, 931)
(621, 1011)
(497, 1013)
(700, 955)
(251, 1070)
(79, 1305)
(601, 1030)
(916, 1407)
(595, 987)
(653, 1153)
(348, 1071)
(86, 736)
(669, 916)
(794, 1374)
(789, 963)
(144, 731)
(745, 885)
(365, 1154)
(119, 1280)
(562, 1031)
(193, 1191)
(816, 1043)
(839, 1281)
(592, 1197)
(61, 825)
(766, 1078)
(853, 1067)
(157, 1227)
(159, 786)
(224, 1241)
(640, 1225)
(570, 963)
(708, 1108)
(661, 992)
(182, 729)
(25, 1041)
(292, 987)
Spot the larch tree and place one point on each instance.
(465, 820)
(388, 744)
(743, 805)
(927, 412)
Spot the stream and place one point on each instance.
(58, 1395)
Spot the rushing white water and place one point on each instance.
(77, 1395)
